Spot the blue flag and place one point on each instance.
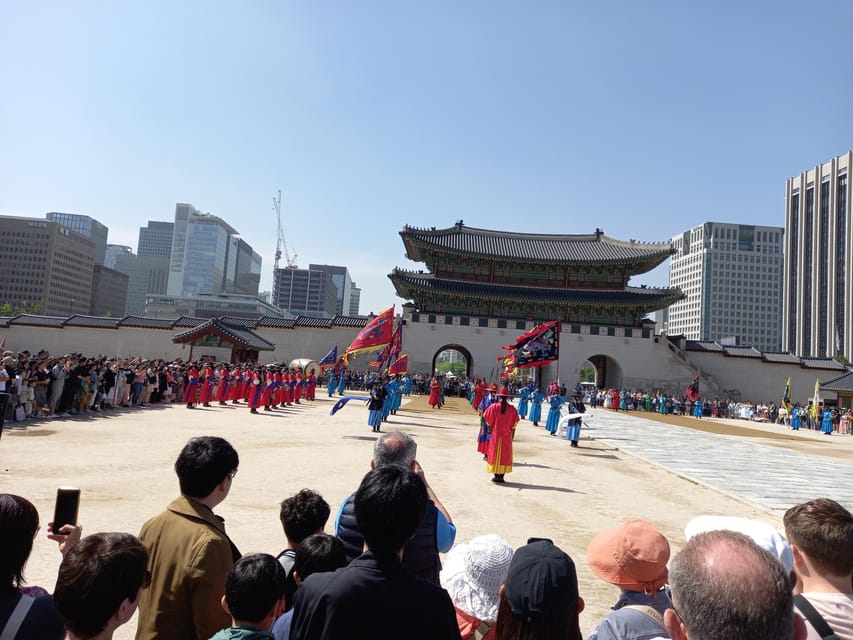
(330, 358)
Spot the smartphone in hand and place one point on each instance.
(67, 505)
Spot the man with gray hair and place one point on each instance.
(725, 586)
(436, 532)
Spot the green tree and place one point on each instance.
(587, 374)
(458, 368)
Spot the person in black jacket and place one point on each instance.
(375, 596)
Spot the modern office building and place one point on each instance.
(306, 292)
(85, 226)
(343, 284)
(207, 257)
(354, 300)
(732, 277)
(210, 306)
(47, 268)
(114, 253)
(817, 312)
(109, 292)
(155, 239)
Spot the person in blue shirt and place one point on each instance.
(523, 398)
(536, 399)
(436, 533)
(556, 401)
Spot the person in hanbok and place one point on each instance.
(662, 404)
(479, 392)
(435, 393)
(623, 400)
(236, 387)
(485, 433)
(331, 388)
(698, 406)
(255, 390)
(536, 399)
(341, 382)
(310, 386)
(501, 418)
(555, 401)
(390, 388)
(378, 394)
(523, 399)
(191, 387)
(573, 428)
(826, 422)
(207, 386)
(796, 417)
(224, 384)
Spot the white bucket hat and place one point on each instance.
(473, 574)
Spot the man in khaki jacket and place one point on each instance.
(189, 552)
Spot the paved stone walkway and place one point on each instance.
(768, 477)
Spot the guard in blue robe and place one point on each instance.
(826, 423)
(341, 381)
(556, 401)
(523, 398)
(698, 405)
(573, 429)
(796, 418)
(536, 399)
(331, 383)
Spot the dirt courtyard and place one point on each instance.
(123, 463)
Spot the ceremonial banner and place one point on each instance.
(401, 365)
(815, 409)
(786, 398)
(376, 334)
(340, 365)
(692, 392)
(538, 346)
(330, 358)
(396, 342)
(380, 357)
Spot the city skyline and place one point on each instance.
(559, 118)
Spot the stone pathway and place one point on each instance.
(768, 477)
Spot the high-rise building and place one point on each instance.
(305, 292)
(109, 292)
(207, 257)
(343, 283)
(354, 300)
(47, 268)
(85, 226)
(114, 253)
(817, 310)
(155, 239)
(732, 277)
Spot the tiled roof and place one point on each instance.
(349, 321)
(780, 357)
(309, 321)
(38, 321)
(821, 363)
(407, 282)
(841, 383)
(146, 323)
(742, 352)
(78, 320)
(239, 336)
(703, 345)
(250, 323)
(187, 321)
(593, 247)
(278, 323)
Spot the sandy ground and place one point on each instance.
(122, 461)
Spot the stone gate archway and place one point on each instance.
(608, 372)
(465, 353)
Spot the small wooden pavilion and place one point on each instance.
(245, 344)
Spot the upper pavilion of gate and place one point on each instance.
(573, 278)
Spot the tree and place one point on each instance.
(587, 374)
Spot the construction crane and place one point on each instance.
(281, 243)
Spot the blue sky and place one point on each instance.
(641, 118)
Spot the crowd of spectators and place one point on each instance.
(734, 578)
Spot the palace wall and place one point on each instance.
(629, 358)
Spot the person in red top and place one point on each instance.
(224, 383)
(236, 386)
(255, 389)
(502, 419)
(435, 393)
(269, 387)
(310, 386)
(297, 386)
(207, 386)
(191, 388)
(479, 393)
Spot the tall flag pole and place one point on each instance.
(330, 358)
(374, 336)
(816, 400)
(786, 398)
(692, 391)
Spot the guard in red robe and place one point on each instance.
(224, 384)
(269, 387)
(191, 388)
(502, 419)
(479, 393)
(297, 386)
(207, 386)
(310, 386)
(255, 390)
(236, 387)
(435, 393)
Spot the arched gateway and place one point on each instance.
(469, 361)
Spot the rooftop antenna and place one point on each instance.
(281, 243)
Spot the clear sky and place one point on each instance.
(641, 118)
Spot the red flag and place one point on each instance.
(376, 334)
(692, 392)
(401, 365)
(538, 346)
(396, 342)
(381, 357)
